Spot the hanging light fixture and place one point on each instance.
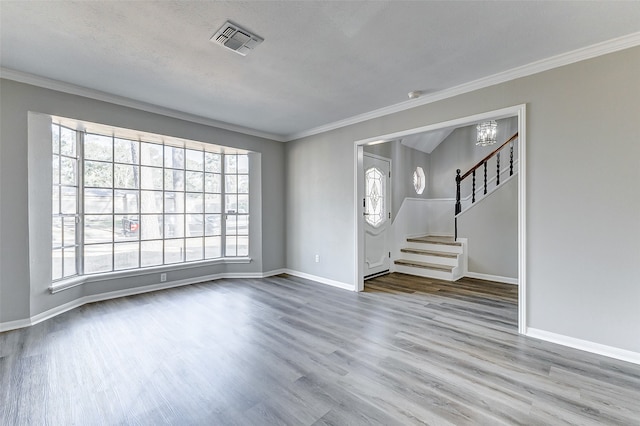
(487, 132)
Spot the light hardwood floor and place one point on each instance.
(284, 350)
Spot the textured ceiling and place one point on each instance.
(320, 62)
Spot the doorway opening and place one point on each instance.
(518, 111)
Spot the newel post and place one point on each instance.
(458, 204)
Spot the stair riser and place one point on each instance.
(422, 272)
(427, 258)
(434, 247)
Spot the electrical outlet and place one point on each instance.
(163, 277)
(317, 258)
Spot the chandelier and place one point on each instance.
(487, 133)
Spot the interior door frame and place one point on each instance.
(516, 110)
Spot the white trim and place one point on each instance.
(599, 49)
(12, 325)
(61, 86)
(488, 277)
(319, 279)
(520, 111)
(585, 345)
(59, 286)
(522, 219)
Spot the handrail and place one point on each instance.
(488, 157)
(472, 171)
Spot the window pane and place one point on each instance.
(56, 232)
(174, 180)
(173, 251)
(126, 151)
(212, 247)
(126, 227)
(55, 169)
(231, 203)
(212, 183)
(98, 174)
(150, 154)
(243, 204)
(69, 200)
(194, 249)
(67, 142)
(231, 224)
(97, 258)
(195, 160)
(67, 171)
(243, 184)
(174, 202)
(195, 227)
(69, 231)
(231, 184)
(195, 203)
(150, 253)
(230, 246)
(243, 246)
(125, 176)
(243, 163)
(243, 224)
(174, 157)
(174, 226)
(69, 261)
(125, 201)
(151, 226)
(98, 200)
(55, 200)
(212, 162)
(125, 256)
(212, 203)
(55, 138)
(151, 201)
(56, 264)
(98, 147)
(194, 181)
(98, 228)
(212, 224)
(150, 178)
(230, 164)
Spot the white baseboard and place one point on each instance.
(488, 277)
(12, 325)
(321, 280)
(585, 345)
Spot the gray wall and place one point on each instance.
(583, 155)
(491, 228)
(16, 101)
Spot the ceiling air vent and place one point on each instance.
(236, 38)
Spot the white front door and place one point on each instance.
(377, 216)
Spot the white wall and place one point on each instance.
(18, 299)
(582, 206)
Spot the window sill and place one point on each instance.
(77, 281)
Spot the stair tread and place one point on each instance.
(430, 252)
(424, 265)
(431, 239)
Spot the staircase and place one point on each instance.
(432, 257)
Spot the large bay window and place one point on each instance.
(121, 203)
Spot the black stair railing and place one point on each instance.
(472, 172)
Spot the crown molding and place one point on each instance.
(593, 51)
(61, 86)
